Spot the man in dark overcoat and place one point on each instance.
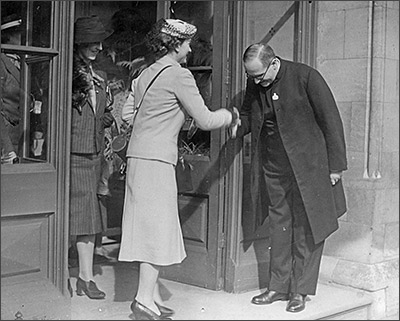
(298, 156)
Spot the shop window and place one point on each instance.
(25, 78)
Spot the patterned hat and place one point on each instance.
(178, 28)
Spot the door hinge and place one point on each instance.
(222, 241)
(227, 79)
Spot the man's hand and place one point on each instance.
(335, 177)
(236, 122)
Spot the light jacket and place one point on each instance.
(172, 96)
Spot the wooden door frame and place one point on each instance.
(63, 40)
(304, 51)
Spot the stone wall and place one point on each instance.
(358, 54)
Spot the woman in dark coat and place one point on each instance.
(298, 155)
(89, 118)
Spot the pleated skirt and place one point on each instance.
(85, 216)
(151, 230)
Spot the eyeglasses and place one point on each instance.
(261, 76)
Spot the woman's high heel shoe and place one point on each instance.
(90, 289)
(141, 312)
(165, 311)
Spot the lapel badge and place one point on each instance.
(275, 96)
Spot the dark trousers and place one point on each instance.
(294, 258)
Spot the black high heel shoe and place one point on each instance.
(165, 311)
(90, 289)
(141, 312)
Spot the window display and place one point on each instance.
(25, 81)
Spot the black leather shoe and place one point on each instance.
(297, 302)
(165, 311)
(268, 297)
(140, 312)
(90, 289)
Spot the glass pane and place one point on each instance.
(200, 62)
(24, 121)
(13, 22)
(41, 26)
(14, 18)
(11, 113)
(24, 82)
(36, 138)
(200, 14)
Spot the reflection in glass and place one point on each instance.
(200, 14)
(38, 116)
(41, 25)
(11, 124)
(11, 111)
(13, 22)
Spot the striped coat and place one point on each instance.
(87, 145)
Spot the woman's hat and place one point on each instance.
(178, 28)
(90, 29)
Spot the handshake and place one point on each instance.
(236, 122)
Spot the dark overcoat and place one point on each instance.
(312, 134)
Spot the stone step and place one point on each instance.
(119, 281)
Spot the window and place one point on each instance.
(26, 56)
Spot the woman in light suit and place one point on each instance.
(151, 231)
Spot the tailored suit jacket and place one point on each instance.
(312, 133)
(172, 96)
(87, 133)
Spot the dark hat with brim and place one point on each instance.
(90, 29)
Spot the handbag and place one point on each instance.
(183, 173)
(120, 142)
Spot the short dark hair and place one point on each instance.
(261, 51)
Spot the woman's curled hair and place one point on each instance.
(159, 43)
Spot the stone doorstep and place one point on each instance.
(193, 303)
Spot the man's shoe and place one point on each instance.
(297, 302)
(268, 297)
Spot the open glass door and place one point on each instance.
(201, 211)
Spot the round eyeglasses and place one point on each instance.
(260, 76)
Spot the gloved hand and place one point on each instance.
(108, 119)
